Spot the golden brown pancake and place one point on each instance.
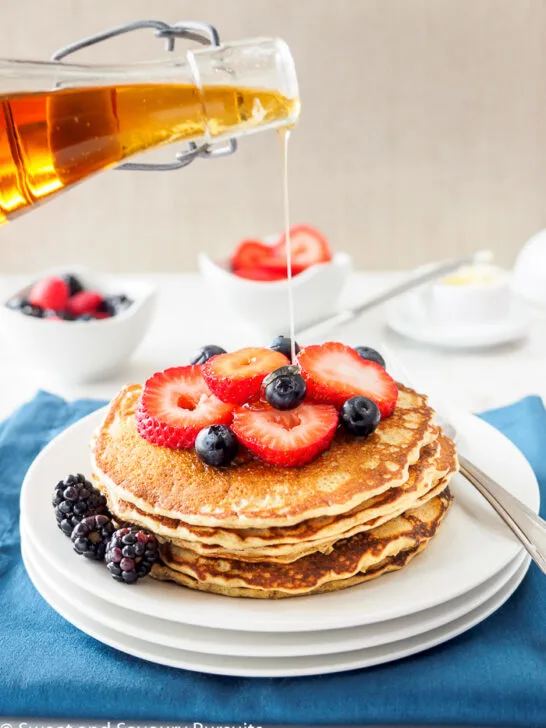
(426, 478)
(288, 553)
(164, 573)
(364, 507)
(352, 560)
(250, 493)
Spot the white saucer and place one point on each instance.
(260, 644)
(471, 547)
(409, 317)
(271, 666)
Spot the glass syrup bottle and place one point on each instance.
(61, 123)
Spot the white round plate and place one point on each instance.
(261, 644)
(272, 666)
(471, 546)
(409, 317)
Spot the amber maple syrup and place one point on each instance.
(52, 140)
(284, 136)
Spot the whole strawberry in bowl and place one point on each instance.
(77, 326)
(253, 282)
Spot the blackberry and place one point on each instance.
(91, 536)
(131, 553)
(73, 283)
(74, 498)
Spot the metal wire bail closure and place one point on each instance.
(198, 32)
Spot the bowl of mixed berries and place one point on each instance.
(65, 297)
(77, 326)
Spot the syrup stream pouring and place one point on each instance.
(431, 272)
(284, 136)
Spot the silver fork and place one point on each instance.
(529, 528)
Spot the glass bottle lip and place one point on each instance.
(283, 72)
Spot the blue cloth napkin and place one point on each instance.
(494, 675)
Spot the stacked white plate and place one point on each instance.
(470, 569)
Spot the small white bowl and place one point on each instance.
(474, 295)
(80, 351)
(264, 304)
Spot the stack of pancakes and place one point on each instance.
(364, 507)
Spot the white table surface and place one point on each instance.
(187, 317)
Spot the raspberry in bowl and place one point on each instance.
(253, 281)
(102, 318)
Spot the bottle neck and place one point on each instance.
(256, 80)
(242, 87)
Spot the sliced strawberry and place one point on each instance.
(308, 246)
(237, 377)
(175, 405)
(84, 302)
(288, 438)
(278, 265)
(260, 274)
(49, 293)
(249, 253)
(335, 372)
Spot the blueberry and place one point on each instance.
(216, 445)
(366, 352)
(282, 344)
(359, 416)
(17, 303)
(130, 554)
(285, 388)
(107, 306)
(113, 305)
(73, 283)
(205, 353)
(35, 311)
(86, 317)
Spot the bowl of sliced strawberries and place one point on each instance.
(254, 280)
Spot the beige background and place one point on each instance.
(423, 134)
